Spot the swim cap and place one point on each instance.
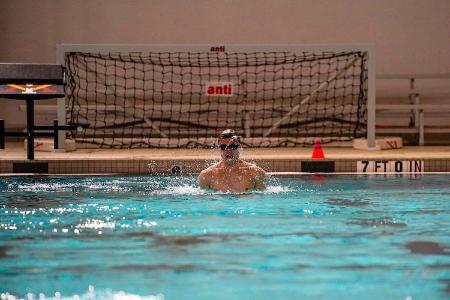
(230, 134)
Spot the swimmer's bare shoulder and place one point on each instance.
(203, 177)
(259, 176)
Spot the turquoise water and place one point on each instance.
(310, 237)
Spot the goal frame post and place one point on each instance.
(62, 49)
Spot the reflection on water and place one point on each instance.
(427, 248)
(6, 252)
(347, 202)
(31, 200)
(382, 221)
(158, 267)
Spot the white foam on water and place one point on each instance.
(277, 189)
(114, 186)
(111, 187)
(91, 294)
(190, 189)
(42, 187)
(181, 186)
(96, 224)
(185, 189)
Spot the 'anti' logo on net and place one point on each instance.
(217, 49)
(223, 89)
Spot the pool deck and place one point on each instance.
(162, 161)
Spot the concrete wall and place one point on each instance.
(411, 36)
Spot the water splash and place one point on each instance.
(151, 185)
(190, 189)
(277, 189)
(184, 189)
(91, 294)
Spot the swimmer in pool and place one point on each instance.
(232, 174)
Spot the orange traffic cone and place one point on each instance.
(318, 152)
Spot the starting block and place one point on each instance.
(30, 83)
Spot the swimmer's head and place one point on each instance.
(229, 144)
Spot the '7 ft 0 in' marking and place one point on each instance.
(390, 166)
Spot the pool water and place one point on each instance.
(150, 237)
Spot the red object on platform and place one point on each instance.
(318, 152)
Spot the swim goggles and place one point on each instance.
(224, 147)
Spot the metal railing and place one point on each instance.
(416, 108)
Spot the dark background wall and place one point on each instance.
(411, 36)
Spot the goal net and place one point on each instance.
(175, 98)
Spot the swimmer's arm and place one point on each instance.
(260, 180)
(203, 181)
